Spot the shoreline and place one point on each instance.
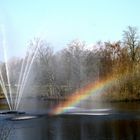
(96, 100)
(45, 98)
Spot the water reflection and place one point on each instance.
(121, 122)
(88, 129)
(71, 127)
(5, 130)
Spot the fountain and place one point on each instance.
(13, 91)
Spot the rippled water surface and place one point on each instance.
(87, 121)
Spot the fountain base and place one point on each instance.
(14, 115)
(11, 112)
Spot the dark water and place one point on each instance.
(88, 121)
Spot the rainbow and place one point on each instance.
(82, 94)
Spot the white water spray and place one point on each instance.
(30, 60)
(13, 99)
(4, 47)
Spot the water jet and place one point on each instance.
(14, 82)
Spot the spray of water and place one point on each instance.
(4, 47)
(30, 60)
(2, 83)
(13, 99)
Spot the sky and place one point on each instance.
(61, 21)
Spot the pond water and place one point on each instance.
(87, 121)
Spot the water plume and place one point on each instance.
(26, 71)
(14, 96)
(4, 48)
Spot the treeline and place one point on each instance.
(58, 74)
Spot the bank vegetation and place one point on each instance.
(59, 74)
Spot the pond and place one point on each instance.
(87, 121)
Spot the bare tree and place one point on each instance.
(73, 58)
(131, 41)
(45, 64)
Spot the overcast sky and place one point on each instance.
(60, 21)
